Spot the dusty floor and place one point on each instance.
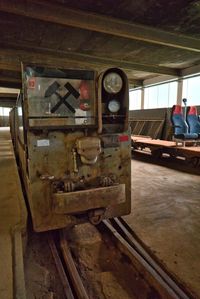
(12, 215)
(41, 276)
(165, 215)
(106, 271)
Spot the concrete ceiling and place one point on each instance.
(146, 38)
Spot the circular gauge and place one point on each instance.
(113, 106)
(112, 83)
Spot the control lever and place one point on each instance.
(185, 111)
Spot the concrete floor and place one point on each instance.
(12, 221)
(165, 215)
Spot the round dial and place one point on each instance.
(112, 82)
(113, 106)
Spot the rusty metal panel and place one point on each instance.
(46, 122)
(59, 160)
(73, 202)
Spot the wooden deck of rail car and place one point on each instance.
(12, 222)
(165, 216)
(166, 146)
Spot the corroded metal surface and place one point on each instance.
(74, 159)
(80, 201)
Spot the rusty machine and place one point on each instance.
(72, 141)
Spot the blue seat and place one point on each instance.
(180, 127)
(193, 120)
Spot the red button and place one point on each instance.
(31, 83)
(123, 138)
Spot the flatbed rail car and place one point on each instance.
(73, 144)
(158, 147)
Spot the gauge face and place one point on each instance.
(113, 106)
(112, 82)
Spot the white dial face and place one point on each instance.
(113, 106)
(112, 83)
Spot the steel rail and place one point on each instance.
(122, 226)
(72, 270)
(143, 259)
(59, 265)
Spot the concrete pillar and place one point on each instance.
(179, 92)
(142, 98)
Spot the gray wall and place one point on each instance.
(156, 114)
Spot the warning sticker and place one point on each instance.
(43, 142)
(31, 83)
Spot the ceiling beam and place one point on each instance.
(135, 83)
(10, 75)
(158, 80)
(15, 81)
(195, 69)
(10, 84)
(10, 79)
(8, 96)
(29, 54)
(62, 15)
(5, 82)
(8, 102)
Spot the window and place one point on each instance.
(164, 95)
(160, 96)
(191, 90)
(4, 111)
(150, 97)
(135, 99)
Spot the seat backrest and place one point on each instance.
(178, 122)
(193, 120)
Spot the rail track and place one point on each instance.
(71, 280)
(150, 273)
(123, 234)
